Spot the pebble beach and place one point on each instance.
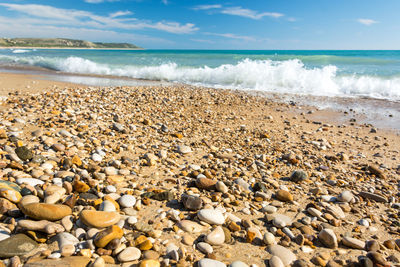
(180, 175)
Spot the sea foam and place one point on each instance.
(286, 76)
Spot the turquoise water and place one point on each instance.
(373, 74)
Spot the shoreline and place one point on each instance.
(381, 113)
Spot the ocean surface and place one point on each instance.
(372, 74)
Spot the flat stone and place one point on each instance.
(205, 183)
(204, 247)
(16, 245)
(353, 243)
(336, 211)
(281, 220)
(238, 264)
(286, 255)
(99, 219)
(184, 149)
(210, 263)
(9, 185)
(44, 211)
(376, 197)
(73, 261)
(190, 226)
(211, 216)
(30, 181)
(129, 254)
(149, 263)
(376, 171)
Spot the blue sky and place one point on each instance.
(231, 24)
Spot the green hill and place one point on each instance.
(60, 43)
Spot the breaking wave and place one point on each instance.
(285, 76)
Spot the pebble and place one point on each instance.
(269, 238)
(44, 211)
(328, 238)
(16, 245)
(210, 263)
(127, 201)
(239, 264)
(353, 243)
(149, 263)
(375, 197)
(216, 237)
(285, 255)
(221, 187)
(99, 219)
(346, 196)
(129, 254)
(192, 202)
(284, 196)
(106, 236)
(190, 226)
(281, 220)
(211, 216)
(204, 247)
(184, 149)
(275, 262)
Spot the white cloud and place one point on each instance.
(248, 13)
(206, 7)
(173, 27)
(165, 2)
(239, 11)
(367, 22)
(120, 14)
(21, 27)
(232, 36)
(48, 15)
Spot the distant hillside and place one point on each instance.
(60, 43)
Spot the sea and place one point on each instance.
(305, 75)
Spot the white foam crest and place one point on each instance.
(20, 51)
(288, 76)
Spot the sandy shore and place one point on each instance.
(229, 151)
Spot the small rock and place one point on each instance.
(284, 196)
(328, 238)
(211, 216)
(127, 201)
(16, 245)
(99, 219)
(210, 263)
(275, 262)
(216, 237)
(129, 254)
(286, 255)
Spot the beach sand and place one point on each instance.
(160, 142)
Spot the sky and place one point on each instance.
(231, 24)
